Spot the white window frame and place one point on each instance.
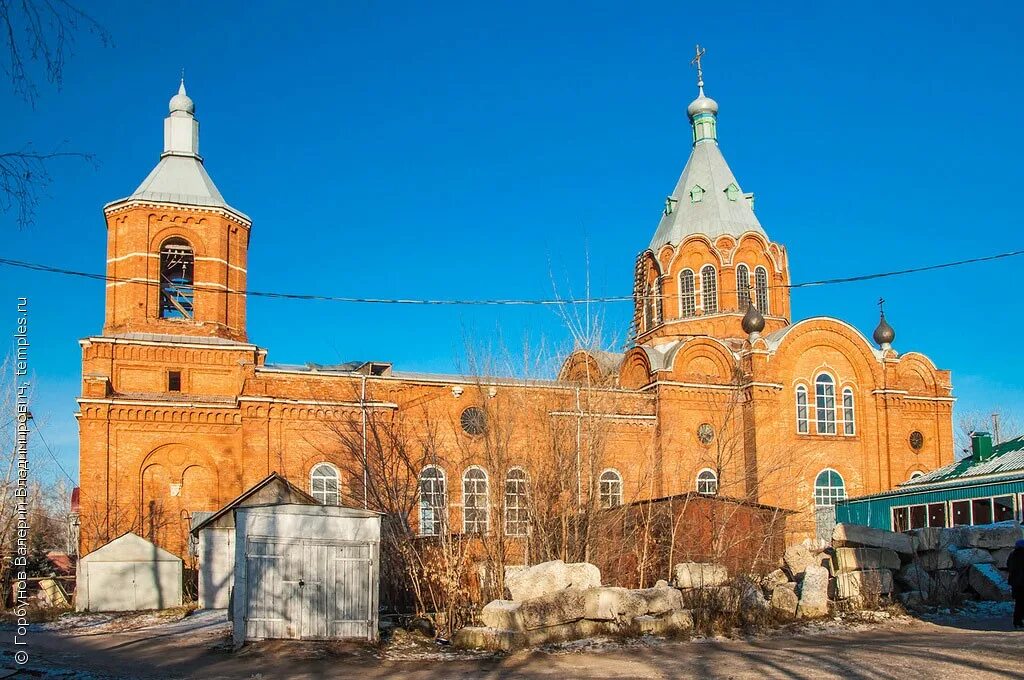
(828, 411)
(521, 504)
(323, 495)
(743, 287)
(433, 517)
(710, 483)
(803, 421)
(609, 488)
(709, 284)
(687, 299)
(476, 526)
(849, 413)
(830, 496)
(761, 297)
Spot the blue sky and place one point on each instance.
(479, 150)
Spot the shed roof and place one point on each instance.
(248, 495)
(130, 547)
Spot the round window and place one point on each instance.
(916, 440)
(474, 420)
(705, 433)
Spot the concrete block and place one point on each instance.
(860, 585)
(676, 621)
(868, 537)
(928, 538)
(785, 600)
(858, 559)
(800, 556)
(998, 535)
(933, 560)
(1001, 555)
(965, 557)
(772, 579)
(660, 600)
(549, 577)
(814, 593)
(700, 575)
(563, 606)
(914, 577)
(988, 582)
(491, 639)
(613, 604)
(502, 614)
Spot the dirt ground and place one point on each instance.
(978, 644)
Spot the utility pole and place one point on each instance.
(995, 428)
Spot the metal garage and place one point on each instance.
(306, 572)
(215, 537)
(128, 574)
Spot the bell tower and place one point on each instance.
(176, 251)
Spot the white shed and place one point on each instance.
(128, 574)
(307, 572)
(215, 536)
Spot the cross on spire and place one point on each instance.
(881, 306)
(698, 54)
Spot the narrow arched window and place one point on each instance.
(610, 489)
(433, 500)
(323, 483)
(516, 503)
(475, 501)
(743, 287)
(687, 297)
(761, 290)
(648, 307)
(707, 482)
(803, 424)
(825, 404)
(709, 289)
(828, 488)
(177, 279)
(848, 422)
(915, 474)
(656, 292)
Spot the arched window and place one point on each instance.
(825, 404)
(687, 297)
(848, 422)
(707, 482)
(803, 425)
(709, 289)
(323, 483)
(648, 307)
(828, 488)
(475, 501)
(761, 290)
(610, 489)
(516, 503)
(743, 286)
(916, 473)
(656, 290)
(177, 278)
(433, 500)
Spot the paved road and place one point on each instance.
(981, 648)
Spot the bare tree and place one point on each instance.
(997, 421)
(38, 33)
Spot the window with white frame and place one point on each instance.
(610, 489)
(433, 500)
(323, 483)
(825, 404)
(916, 473)
(848, 423)
(657, 300)
(709, 289)
(475, 501)
(516, 503)
(829, 487)
(803, 423)
(707, 482)
(687, 294)
(743, 287)
(761, 290)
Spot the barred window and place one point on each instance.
(761, 289)
(648, 307)
(848, 424)
(828, 488)
(709, 289)
(825, 404)
(177, 279)
(433, 500)
(743, 287)
(687, 296)
(707, 482)
(802, 421)
(323, 483)
(516, 503)
(475, 501)
(610, 489)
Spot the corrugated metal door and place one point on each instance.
(311, 590)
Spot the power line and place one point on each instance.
(51, 269)
(39, 433)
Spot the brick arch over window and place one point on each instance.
(177, 276)
(702, 360)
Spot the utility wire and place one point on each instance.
(39, 433)
(36, 266)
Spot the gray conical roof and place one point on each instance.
(719, 211)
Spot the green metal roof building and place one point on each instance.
(985, 487)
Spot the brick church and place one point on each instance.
(720, 392)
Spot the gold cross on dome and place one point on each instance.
(699, 54)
